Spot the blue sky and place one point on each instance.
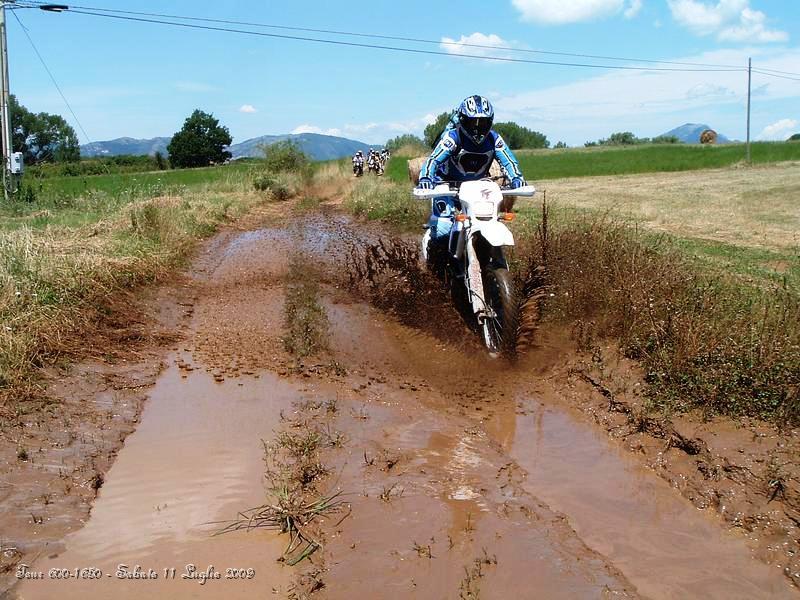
(142, 80)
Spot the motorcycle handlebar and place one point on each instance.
(444, 190)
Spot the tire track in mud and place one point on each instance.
(441, 447)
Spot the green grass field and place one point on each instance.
(54, 188)
(540, 165)
(81, 200)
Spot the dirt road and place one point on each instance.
(464, 477)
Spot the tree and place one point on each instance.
(560, 145)
(794, 138)
(42, 137)
(404, 140)
(621, 138)
(200, 142)
(664, 139)
(434, 131)
(161, 163)
(517, 136)
(626, 138)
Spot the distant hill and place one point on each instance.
(126, 145)
(315, 145)
(690, 133)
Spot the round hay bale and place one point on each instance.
(415, 166)
(709, 136)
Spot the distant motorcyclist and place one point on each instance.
(373, 161)
(358, 164)
(465, 152)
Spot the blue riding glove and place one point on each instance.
(517, 182)
(425, 183)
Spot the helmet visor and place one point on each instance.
(476, 127)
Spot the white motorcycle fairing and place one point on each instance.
(494, 232)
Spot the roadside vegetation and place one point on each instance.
(715, 324)
(706, 339)
(76, 243)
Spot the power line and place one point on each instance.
(53, 79)
(761, 72)
(392, 48)
(773, 71)
(396, 38)
(709, 67)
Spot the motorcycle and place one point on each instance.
(475, 255)
(374, 165)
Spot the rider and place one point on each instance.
(465, 152)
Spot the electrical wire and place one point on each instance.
(392, 37)
(53, 79)
(761, 72)
(391, 48)
(137, 16)
(766, 71)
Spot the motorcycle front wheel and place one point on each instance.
(499, 331)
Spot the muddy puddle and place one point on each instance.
(634, 518)
(195, 458)
(467, 478)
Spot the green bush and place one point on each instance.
(263, 183)
(280, 192)
(27, 193)
(285, 156)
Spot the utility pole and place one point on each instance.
(5, 118)
(749, 79)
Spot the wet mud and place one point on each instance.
(465, 477)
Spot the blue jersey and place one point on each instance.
(458, 158)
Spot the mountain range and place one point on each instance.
(689, 133)
(315, 145)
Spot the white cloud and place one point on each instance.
(704, 90)
(490, 45)
(780, 130)
(729, 20)
(561, 12)
(651, 102)
(372, 132)
(633, 9)
(306, 128)
(247, 108)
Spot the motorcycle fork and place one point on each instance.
(473, 279)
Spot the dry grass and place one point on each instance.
(755, 207)
(55, 279)
(704, 340)
(290, 512)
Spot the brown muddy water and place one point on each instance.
(467, 477)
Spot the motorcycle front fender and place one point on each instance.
(494, 232)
